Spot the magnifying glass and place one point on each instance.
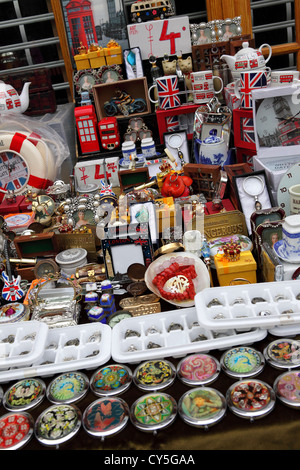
(175, 141)
(254, 186)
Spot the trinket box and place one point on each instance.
(242, 362)
(113, 53)
(198, 369)
(283, 353)
(243, 268)
(202, 407)
(287, 388)
(154, 375)
(70, 260)
(153, 412)
(97, 417)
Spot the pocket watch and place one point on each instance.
(117, 317)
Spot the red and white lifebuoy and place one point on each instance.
(45, 151)
(32, 158)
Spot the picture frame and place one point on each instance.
(265, 216)
(268, 232)
(110, 74)
(246, 202)
(82, 211)
(149, 209)
(229, 28)
(202, 33)
(84, 80)
(93, 23)
(126, 245)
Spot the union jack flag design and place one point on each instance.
(172, 123)
(248, 82)
(247, 130)
(168, 92)
(11, 290)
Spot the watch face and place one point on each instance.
(117, 317)
(14, 173)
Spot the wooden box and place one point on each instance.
(40, 244)
(136, 177)
(137, 88)
(205, 178)
(244, 268)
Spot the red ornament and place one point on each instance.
(176, 185)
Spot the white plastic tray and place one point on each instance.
(248, 314)
(92, 349)
(177, 343)
(21, 343)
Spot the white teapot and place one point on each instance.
(11, 101)
(247, 58)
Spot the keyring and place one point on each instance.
(175, 141)
(251, 191)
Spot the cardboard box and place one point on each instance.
(244, 268)
(82, 61)
(113, 55)
(136, 88)
(97, 58)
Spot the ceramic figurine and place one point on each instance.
(186, 67)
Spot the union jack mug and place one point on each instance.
(250, 81)
(167, 91)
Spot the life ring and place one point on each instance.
(47, 155)
(32, 167)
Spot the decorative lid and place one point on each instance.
(283, 353)
(12, 312)
(242, 362)
(287, 388)
(154, 375)
(57, 424)
(154, 411)
(68, 388)
(16, 429)
(105, 417)
(198, 369)
(250, 399)
(111, 380)
(202, 407)
(25, 394)
(73, 255)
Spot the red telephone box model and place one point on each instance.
(86, 122)
(109, 133)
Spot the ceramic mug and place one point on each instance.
(167, 91)
(284, 77)
(294, 192)
(250, 81)
(203, 85)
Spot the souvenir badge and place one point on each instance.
(154, 375)
(198, 369)
(24, 394)
(242, 362)
(16, 429)
(283, 353)
(202, 407)
(153, 412)
(250, 399)
(287, 388)
(68, 388)
(105, 417)
(57, 424)
(111, 380)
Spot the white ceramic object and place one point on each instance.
(213, 152)
(247, 58)
(288, 248)
(263, 305)
(202, 280)
(11, 101)
(156, 329)
(70, 260)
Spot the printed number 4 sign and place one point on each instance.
(161, 37)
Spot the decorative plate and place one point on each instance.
(154, 375)
(111, 380)
(68, 388)
(280, 249)
(105, 417)
(198, 369)
(202, 407)
(25, 394)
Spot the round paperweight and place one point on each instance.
(153, 412)
(16, 429)
(198, 369)
(68, 388)
(283, 353)
(105, 417)
(154, 375)
(287, 388)
(202, 407)
(250, 399)
(25, 394)
(111, 380)
(57, 424)
(242, 362)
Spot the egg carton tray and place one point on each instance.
(84, 346)
(158, 329)
(21, 343)
(262, 305)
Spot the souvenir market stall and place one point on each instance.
(153, 292)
